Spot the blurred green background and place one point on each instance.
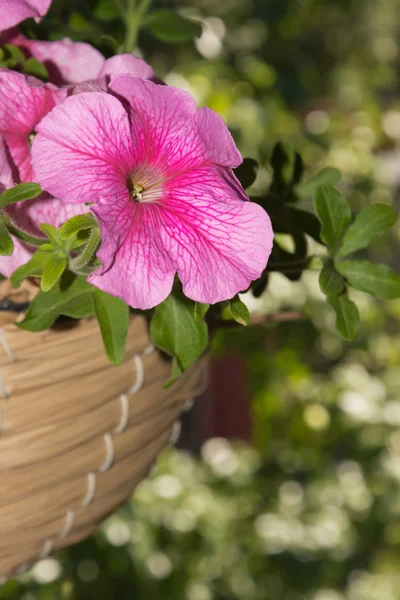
(311, 509)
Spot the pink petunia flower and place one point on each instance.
(13, 12)
(160, 175)
(23, 103)
(69, 62)
(66, 61)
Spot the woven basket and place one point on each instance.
(76, 434)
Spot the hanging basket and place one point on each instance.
(76, 434)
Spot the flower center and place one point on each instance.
(144, 185)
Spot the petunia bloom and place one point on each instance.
(13, 12)
(23, 103)
(69, 62)
(160, 175)
(65, 60)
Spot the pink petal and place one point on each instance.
(172, 134)
(65, 60)
(83, 150)
(159, 114)
(6, 174)
(138, 269)
(217, 240)
(126, 63)
(23, 103)
(13, 12)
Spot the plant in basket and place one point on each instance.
(124, 217)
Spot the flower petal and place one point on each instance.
(138, 269)
(14, 11)
(172, 134)
(83, 150)
(159, 114)
(6, 173)
(125, 63)
(217, 240)
(23, 103)
(65, 60)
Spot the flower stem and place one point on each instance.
(79, 262)
(23, 235)
(133, 18)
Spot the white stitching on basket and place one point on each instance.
(6, 345)
(69, 523)
(11, 356)
(47, 548)
(88, 499)
(122, 425)
(175, 433)
(91, 476)
(110, 454)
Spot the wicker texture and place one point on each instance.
(76, 434)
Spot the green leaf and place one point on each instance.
(307, 222)
(330, 282)
(34, 267)
(36, 68)
(52, 271)
(174, 330)
(328, 176)
(378, 280)
(169, 26)
(370, 223)
(283, 162)
(78, 223)
(13, 55)
(247, 172)
(176, 372)
(6, 242)
(200, 310)
(22, 191)
(71, 296)
(347, 316)
(51, 232)
(334, 213)
(239, 311)
(113, 316)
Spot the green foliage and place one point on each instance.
(6, 243)
(378, 280)
(328, 176)
(12, 57)
(347, 316)
(34, 67)
(334, 213)
(75, 225)
(175, 330)
(370, 223)
(113, 316)
(247, 172)
(170, 27)
(330, 282)
(200, 310)
(239, 311)
(71, 296)
(34, 267)
(20, 192)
